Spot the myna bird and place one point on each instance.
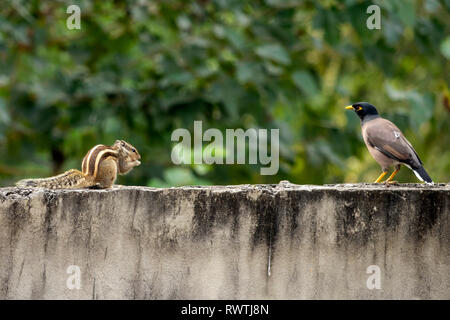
(387, 144)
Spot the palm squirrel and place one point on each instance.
(100, 167)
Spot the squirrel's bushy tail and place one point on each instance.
(71, 179)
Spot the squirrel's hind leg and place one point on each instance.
(107, 173)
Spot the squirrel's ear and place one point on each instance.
(117, 142)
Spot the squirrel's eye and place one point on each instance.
(134, 150)
(123, 144)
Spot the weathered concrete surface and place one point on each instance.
(232, 242)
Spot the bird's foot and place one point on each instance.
(390, 182)
(380, 177)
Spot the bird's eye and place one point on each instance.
(359, 108)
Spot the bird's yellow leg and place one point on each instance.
(392, 175)
(381, 177)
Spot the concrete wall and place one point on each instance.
(232, 242)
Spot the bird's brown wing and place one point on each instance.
(410, 145)
(384, 136)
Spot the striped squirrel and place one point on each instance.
(100, 167)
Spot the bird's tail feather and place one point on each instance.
(422, 174)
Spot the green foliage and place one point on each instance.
(137, 70)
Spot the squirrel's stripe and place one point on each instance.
(89, 159)
(101, 155)
(84, 164)
(127, 147)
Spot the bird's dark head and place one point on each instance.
(364, 110)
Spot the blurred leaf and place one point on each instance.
(445, 47)
(405, 11)
(305, 82)
(274, 52)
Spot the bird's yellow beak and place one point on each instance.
(349, 107)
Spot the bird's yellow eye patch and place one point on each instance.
(359, 109)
